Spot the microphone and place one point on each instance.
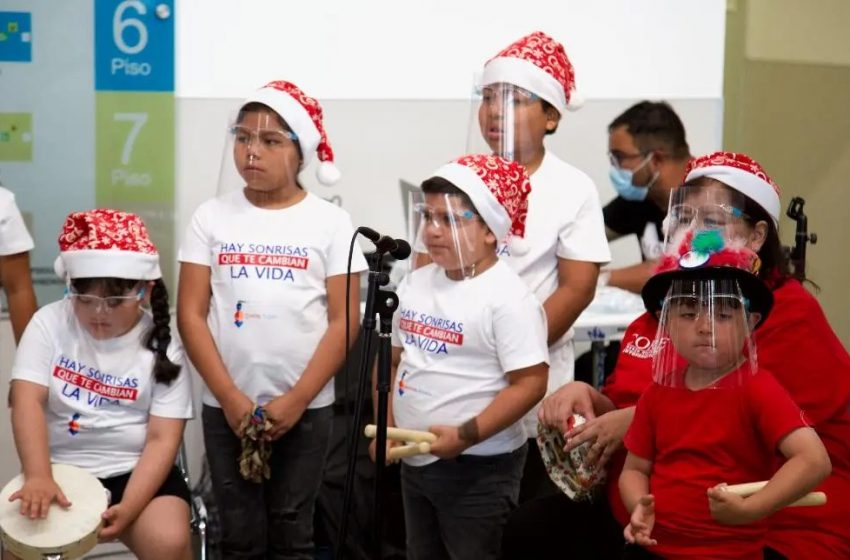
(398, 248)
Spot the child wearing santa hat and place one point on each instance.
(796, 344)
(97, 383)
(565, 241)
(261, 308)
(712, 415)
(469, 360)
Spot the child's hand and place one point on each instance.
(116, 519)
(373, 448)
(284, 412)
(573, 398)
(37, 494)
(449, 443)
(728, 508)
(639, 529)
(606, 432)
(235, 409)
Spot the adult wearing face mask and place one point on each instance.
(648, 153)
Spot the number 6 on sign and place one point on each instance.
(119, 25)
(138, 120)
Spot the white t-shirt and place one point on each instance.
(14, 237)
(100, 392)
(268, 268)
(460, 340)
(564, 221)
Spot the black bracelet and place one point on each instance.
(468, 431)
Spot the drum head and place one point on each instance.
(567, 469)
(71, 532)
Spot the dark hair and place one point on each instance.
(159, 336)
(654, 126)
(256, 106)
(775, 266)
(549, 107)
(438, 185)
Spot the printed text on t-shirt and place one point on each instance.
(266, 261)
(428, 332)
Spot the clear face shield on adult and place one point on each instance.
(261, 155)
(500, 123)
(702, 208)
(448, 233)
(704, 338)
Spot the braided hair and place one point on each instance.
(159, 337)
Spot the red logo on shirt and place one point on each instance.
(95, 386)
(280, 261)
(431, 332)
(428, 331)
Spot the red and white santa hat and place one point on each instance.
(105, 243)
(539, 64)
(499, 190)
(741, 173)
(303, 114)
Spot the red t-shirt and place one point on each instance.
(797, 345)
(698, 439)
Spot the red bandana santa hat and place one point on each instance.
(539, 64)
(741, 173)
(499, 190)
(303, 114)
(106, 243)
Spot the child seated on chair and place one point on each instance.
(127, 427)
(711, 417)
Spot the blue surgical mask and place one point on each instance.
(622, 181)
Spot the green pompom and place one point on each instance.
(707, 241)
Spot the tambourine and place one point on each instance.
(567, 469)
(64, 533)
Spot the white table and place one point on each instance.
(606, 319)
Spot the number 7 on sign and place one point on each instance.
(138, 120)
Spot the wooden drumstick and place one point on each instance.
(400, 434)
(750, 488)
(409, 450)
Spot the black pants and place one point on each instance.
(273, 519)
(633, 552)
(535, 480)
(455, 509)
(557, 527)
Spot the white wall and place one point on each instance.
(390, 49)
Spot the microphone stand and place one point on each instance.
(383, 303)
(802, 237)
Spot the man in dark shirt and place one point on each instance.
(648, 153)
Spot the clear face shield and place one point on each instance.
(709, 207)
(261, 154)
(704, 337)
(448, 233)
(501, 121)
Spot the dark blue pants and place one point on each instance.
(273, 519)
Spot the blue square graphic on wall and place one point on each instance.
(15, 37)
